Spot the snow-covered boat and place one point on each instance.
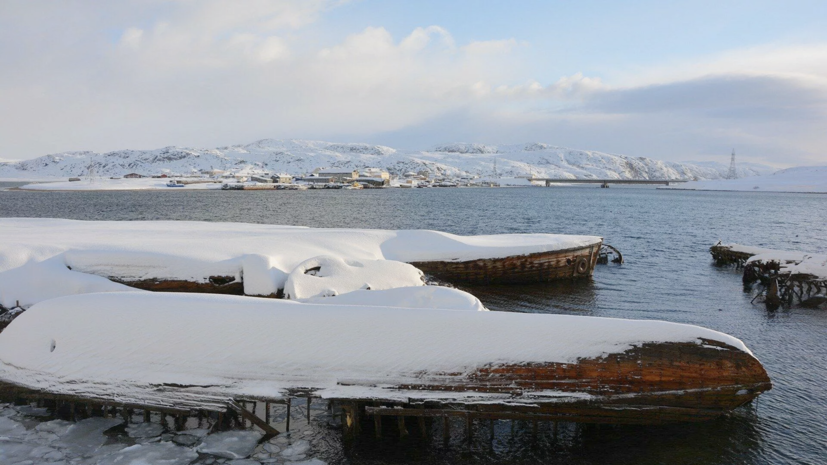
(254, 259)
(174, 183)
(200, 352)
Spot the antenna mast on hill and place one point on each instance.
(732, 174)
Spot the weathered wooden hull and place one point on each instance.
(540, 267)
(215, 285)
(580, 368)
(653, 384)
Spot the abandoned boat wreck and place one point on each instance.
(787, 276)
(258, 260)
(185, 352)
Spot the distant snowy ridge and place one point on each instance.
(302, 157)
(812, 179)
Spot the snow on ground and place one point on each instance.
(406, 297)
(105, 184)
(34, 252)
(800, 179)
(224, 345)
(28, 440)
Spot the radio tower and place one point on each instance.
(732, 174)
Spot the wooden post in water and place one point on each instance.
(403, 430)
(267, 412)
(308, 410)
(446, 430)
(287, 427)
(377, 422)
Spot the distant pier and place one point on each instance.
(606, 182)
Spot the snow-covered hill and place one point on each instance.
(799, 179)
(301, 156)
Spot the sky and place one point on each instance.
(677, 80)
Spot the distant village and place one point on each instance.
(320, 178)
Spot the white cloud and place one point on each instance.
(131, 38)
(216, 72)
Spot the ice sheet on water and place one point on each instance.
(144, 430)
(11, 429)
(230, 444)
(56, 427)
(296, 449)
(308, 462)
(30, 411)
(156, 454)
(243, 462)
(87, 435)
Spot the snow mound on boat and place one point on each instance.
(444, 298)
(794, 263)
(245, 346)
(327, 276)
(36, 281)
(259, 256)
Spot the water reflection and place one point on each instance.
(732, 439)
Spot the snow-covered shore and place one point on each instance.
(105, 184)
(807, 179)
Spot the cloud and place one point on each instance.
(210, 73)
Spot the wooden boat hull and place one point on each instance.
(552, 366)
(575, 263)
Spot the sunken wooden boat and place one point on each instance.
(204, 352)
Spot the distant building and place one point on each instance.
(261, 179)
(282, 178)
(74, 179)
(373, 182)
(337, 174)
(212, 172)
(374, 173)
(133, 176)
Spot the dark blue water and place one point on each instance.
(668, 275)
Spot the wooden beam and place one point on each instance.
(253, 419)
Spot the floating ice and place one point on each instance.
(230, 444)
(87, 435)
(164, 453)
(144, 430)
(299, 447)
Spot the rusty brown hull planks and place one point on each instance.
(653, 383)
(215, 285)
(521, 269)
